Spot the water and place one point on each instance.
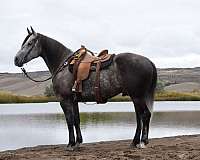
(23, 125)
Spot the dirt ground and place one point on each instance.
(179, 148)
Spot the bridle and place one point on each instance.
(36, 40)
(23, 69)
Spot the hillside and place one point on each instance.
(176, 79)
(180, 79)
(18, 84)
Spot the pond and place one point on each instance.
(23, 125)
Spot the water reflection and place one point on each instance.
(34, 129)
(107, 118)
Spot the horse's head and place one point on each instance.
(30, 49)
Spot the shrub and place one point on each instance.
(49, 91)
(160, 86)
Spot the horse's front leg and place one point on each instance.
(79, 139)
(67, 106)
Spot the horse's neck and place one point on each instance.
(53, 53)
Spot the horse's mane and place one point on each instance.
(49, 42)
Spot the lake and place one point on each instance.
(23, 125)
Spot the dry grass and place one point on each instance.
(6, 97)
(176, 96)
(166, 96)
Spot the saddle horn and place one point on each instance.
(29, 32)
(33, 32)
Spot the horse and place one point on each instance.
(129, 73)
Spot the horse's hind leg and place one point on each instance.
(146, 116)
(136, 140)
(138, 111)
(143, 116)
(77, 125)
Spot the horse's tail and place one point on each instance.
(151, 91)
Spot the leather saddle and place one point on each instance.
(83, 62)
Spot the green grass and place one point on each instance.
(175, 96)
(6, 97)
(120, 99)
(165, 96)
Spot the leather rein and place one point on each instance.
(65, 64)
(34, 80)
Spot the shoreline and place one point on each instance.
(9, 98)
(178, 147)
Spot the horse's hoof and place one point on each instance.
(141, 145)
(73, 148)
(146, 141)
(70, 148)
(134, 144)
(76, 147)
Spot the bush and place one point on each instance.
(49, 91)
(160, 86)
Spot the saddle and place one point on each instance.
(83, 62)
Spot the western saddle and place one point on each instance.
(82, 63)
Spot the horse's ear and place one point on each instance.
(33, 31)
(28, 31)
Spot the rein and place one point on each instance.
(26, 74)
(65, 64)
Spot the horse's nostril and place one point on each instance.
(16, 60)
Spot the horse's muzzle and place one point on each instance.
(18, 62)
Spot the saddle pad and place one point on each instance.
(104, 64)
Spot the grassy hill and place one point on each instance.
(175, 79)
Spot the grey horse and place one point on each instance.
(129, 73)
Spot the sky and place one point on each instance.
(165, 31)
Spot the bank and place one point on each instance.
(6, 97)
(169, 148)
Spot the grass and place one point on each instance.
(120, 99)
(165, 96)
(176, 96)
(6, 97)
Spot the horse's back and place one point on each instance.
(136, 72)
(131, 59)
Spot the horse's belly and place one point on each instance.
(109, 85)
